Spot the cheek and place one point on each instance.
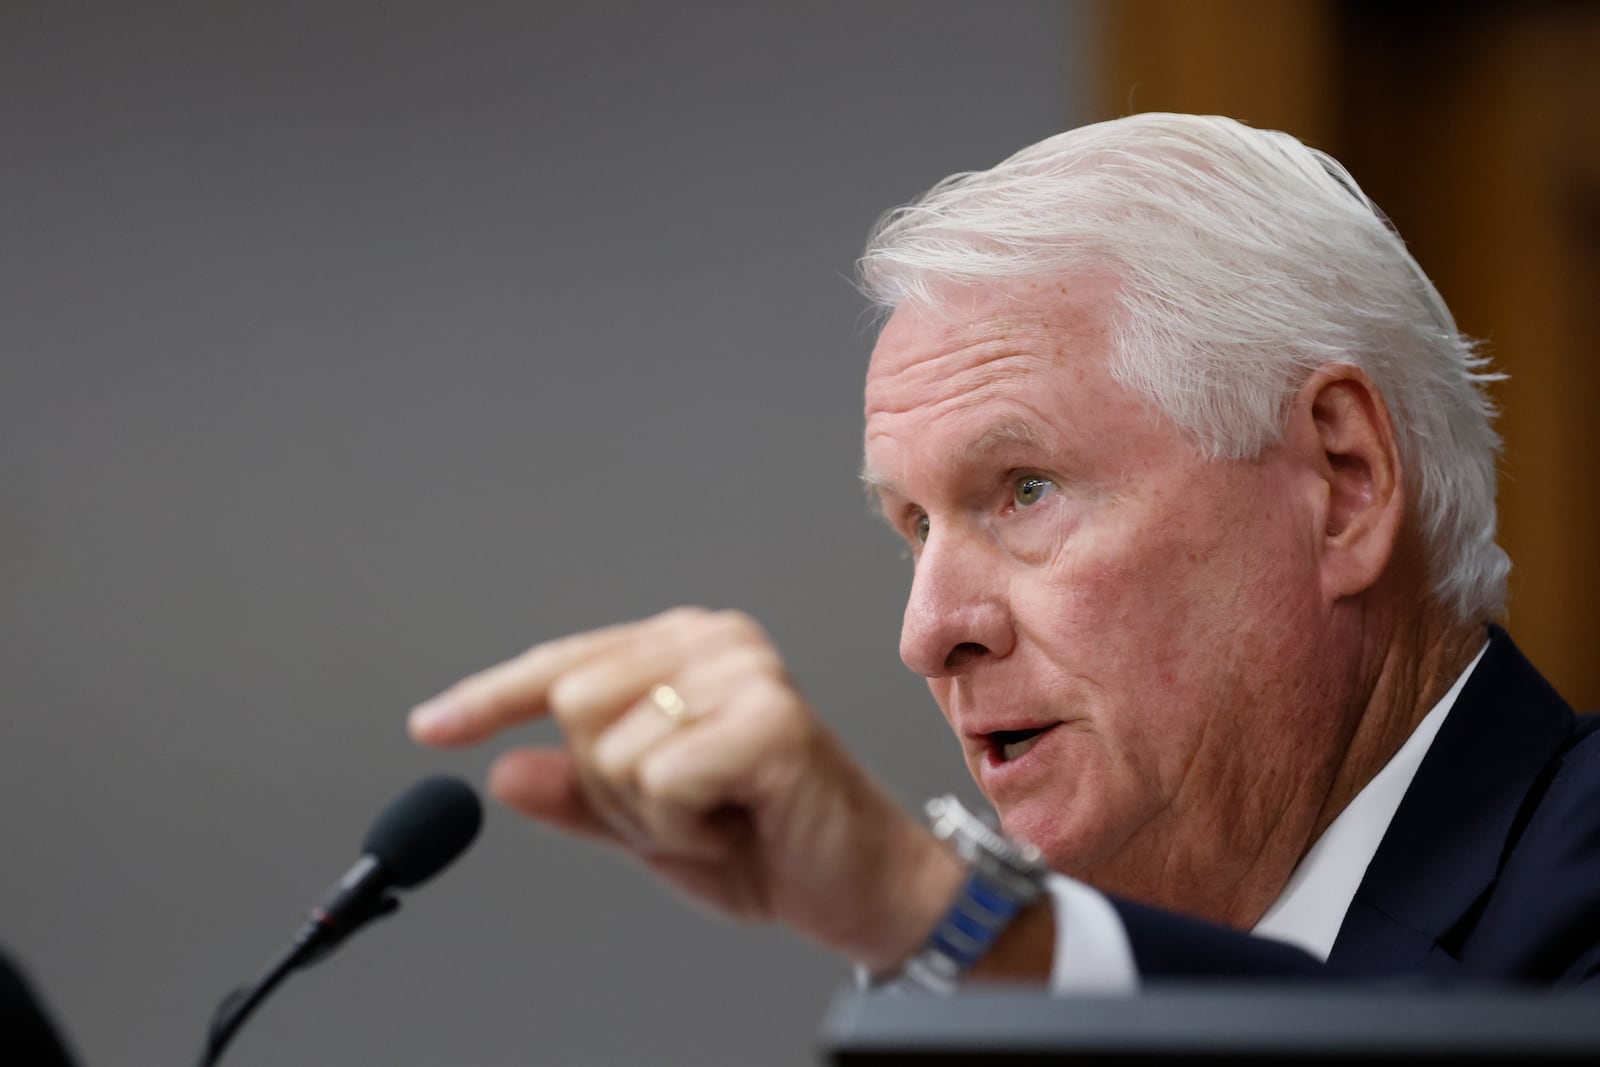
(1124, 605)
(1145, 620)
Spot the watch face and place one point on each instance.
(977, 842)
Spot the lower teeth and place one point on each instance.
(1016, 748)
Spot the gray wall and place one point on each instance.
(349, 347)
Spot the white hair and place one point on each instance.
(1246, 260)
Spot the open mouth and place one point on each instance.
(1007, 745)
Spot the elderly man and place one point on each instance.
(1198, 477)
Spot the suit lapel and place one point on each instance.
(1444, 847)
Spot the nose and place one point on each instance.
(957, 614)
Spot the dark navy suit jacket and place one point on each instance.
(1490, 870)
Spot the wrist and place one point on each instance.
(1025, 952)
(996, 924)
(927, 878)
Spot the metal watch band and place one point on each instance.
(1003, 877)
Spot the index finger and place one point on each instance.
(508, 693)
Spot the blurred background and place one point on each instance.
(348, 347)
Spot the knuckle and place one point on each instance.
(774, 692)
(560, 696)
(739, 626)
(537, 653)
(566, 700)
(760, 661)
(771, 663)
(781, 711)
(678, 631)
(729, 666)
(611, 763)
(661, 782)
(682, 615)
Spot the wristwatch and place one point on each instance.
(1003, 877)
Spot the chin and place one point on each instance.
(1070, 843)
(1055, 835)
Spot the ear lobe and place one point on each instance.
(1358, 459)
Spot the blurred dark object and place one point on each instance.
(27, 1036)
(1214, 1023)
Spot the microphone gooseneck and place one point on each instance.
(417, 836)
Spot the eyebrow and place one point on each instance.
(1002, 435)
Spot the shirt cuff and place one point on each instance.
(1092, 950)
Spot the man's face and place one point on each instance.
(1123, 635)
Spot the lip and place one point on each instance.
(998, 774)
(977, 733)
(981, 734)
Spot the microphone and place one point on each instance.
(418, 835)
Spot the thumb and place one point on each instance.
(542, 783)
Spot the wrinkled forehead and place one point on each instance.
(1052, 318)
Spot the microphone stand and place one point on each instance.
(315, 940)
(416, 837)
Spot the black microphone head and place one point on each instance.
(424, 830)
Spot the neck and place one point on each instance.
(1411, 667)
(1400, 670)
(1384, 671)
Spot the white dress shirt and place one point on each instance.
(1092, 951)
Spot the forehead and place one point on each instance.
(1048, 322)
(986, 369)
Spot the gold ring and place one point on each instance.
(671, 704)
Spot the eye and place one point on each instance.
(1030, 489)
(919, 529)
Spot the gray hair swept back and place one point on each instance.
(1246, 260)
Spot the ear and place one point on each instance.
(1343, 424)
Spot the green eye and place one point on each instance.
(921, 529)
(1030, 490)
